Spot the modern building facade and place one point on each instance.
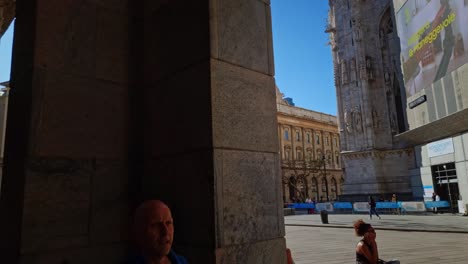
(369, 86)
(434, 55)
(310, 153)
(404, 64)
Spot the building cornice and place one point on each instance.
(375, 154)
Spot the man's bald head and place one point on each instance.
(154, 229)
(149, 207)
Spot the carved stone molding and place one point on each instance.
(376, 120)
(376, 154)
(344, 72)
(357, 29)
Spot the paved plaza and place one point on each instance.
(410, 238)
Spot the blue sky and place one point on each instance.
(5, 54)
(303, 63)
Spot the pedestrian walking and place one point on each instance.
(372, 210)
(395, 200)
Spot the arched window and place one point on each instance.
(299, 155)
(302, 187)
(308, 137)
(309, 155)
(317, 139)
(324, 184)
(337, 158)
(329, 157)
(287, 154)
(286, 134)
(298, 135)
(319, 153)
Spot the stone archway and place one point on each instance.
(96, 84)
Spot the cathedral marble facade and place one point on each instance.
(369, 88)
(400, 75)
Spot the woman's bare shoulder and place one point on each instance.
(359, 245)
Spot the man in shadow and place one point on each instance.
(153, 230)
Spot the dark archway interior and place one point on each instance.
(114, 102)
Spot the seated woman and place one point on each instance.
(366, 249)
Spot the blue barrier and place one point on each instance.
(440, 204)
(343, 205)
(387, 205)
(302, 205)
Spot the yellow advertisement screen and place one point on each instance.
(434, 40)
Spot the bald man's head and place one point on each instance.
(154, 229)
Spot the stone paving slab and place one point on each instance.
(310, 244)
(430, 223)
(414, 239)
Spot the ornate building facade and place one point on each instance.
(310, 152)
(369, 86)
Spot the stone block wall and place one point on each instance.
(114, 102)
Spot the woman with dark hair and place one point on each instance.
(366, 249)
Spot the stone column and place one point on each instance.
(66, 185)
(113, 102)
(211, 142)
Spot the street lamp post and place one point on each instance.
(325, 175)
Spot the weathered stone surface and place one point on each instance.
(115, 5)
(152, 6)
(365, 56)
(378, 172)
(115, 253)
(111, 222)
(80, 111)
(248, 200)
(56, 204)
(244, 110)
(187, 126)
(263, 252)
(271, 58)
(175, 37)
(241, 33)
(110, 211)
(74, 117)
(112, 45)
(66, 37)
(169, 178)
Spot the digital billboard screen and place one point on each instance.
(434, 40)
